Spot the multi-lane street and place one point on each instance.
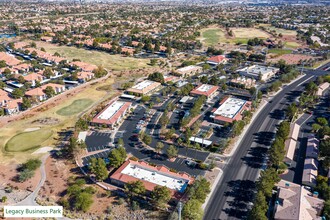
(234, 192)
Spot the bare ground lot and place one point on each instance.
(108, 61)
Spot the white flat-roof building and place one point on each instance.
(189, 70)
(112, 114)
(151, 176)
(144, 87)
(230, 110)
(258, 72)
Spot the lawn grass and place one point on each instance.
(212, 36)
(108, 61)
(282, 31)
(280, 51)
(28, 140)
(292, 44)
(75, 107)
(249, 33)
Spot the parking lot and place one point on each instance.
(103, 154)
(98, 141)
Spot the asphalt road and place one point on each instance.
(235, 190)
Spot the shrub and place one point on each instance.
(25, 175)
(121, 201)
(135, 206)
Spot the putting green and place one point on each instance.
(28, 140)
(75, 107)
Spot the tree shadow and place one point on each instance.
(277, 114)
(242, 192)
(264, 137)
(256, 157)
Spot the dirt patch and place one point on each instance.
(291, 58)
(8, 175)
(57, 172)
(46, 121)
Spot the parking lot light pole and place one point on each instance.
(179, 210)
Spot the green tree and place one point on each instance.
(2, 85)
(100, 71)
(147, 139)
(49, 91)
(134, 188)
(32, 164)
(192, 210)
(276, 152)
(25, 175)
(322, 121)
(48, 72)
(260, 207)
(164, 120)
(26, 103)
(326, 209)
(17, 93)
(159, 147)
(283, 130)
(145, 98)
(117, 157)
(200, 189)
(83, 201)
(172, 151)
(161, 195)
(99, 168)
(3, 64)
(157, 77)
(267, 180)
(292, 111)
(81, 124)
(4, 199)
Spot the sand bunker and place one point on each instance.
(31, 129)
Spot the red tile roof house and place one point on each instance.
(24, 67)
(9, 104)
(230, 110)
(9, 59)
(85, 76)
(33, 78)
(204, 89)
(216, 60)
(151, 176)
(39, 93)
(36, 93)
(112, 114)
(58, 88)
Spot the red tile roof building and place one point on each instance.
(151, 176)
(205, 89)
(215, 60)
(112, 114)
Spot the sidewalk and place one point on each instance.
(213, 187)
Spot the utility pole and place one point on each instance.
(179, 209)
(302, 70)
